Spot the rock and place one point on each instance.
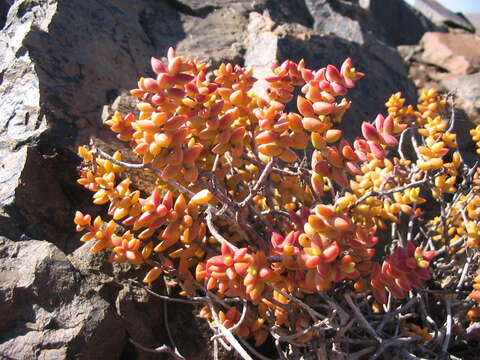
(467, 90)
(47, 311)
(262, 49)
(346, 20)
(475, 20)
(4, 6)
(441, 15)
(370, 21)
(36, 205)
(385, 69)
(283, 12)
(142, 314)
(457, 53)
(218, 35)
(409, 52)
(402, 23)
(144, 320)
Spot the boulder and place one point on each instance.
(366, 22)
(401, 23)
(346, 20)
(442, 16)
(208, 31)
(47, 311)
(143, 315)
(467, 90)
(32, 198)
(456, 53)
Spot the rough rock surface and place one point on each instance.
(457, 53)
(48, 311)
(141, 314)
(448, 62)
(367, 22)
(426, 75)
(344, 19)
(467, 89)
(58, 307)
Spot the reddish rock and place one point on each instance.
(457, 53)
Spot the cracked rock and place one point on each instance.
(47, 311)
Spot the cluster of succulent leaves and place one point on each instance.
(252, 201)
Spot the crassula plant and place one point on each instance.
(276, 225)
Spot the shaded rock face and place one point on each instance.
(60, 62)
(367, 22)
(48, 70)
(141, 315)
(384, 67)
(346, 20)
(58, 307)
(402, 24)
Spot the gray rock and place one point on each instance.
(143, 316)
(467, 89)
(47, 311)
(345, 19)
(442, 16)
(402, 23)
(368, 22)
(292, 12)
(218, 36)
(32, 196)
(262, 49)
